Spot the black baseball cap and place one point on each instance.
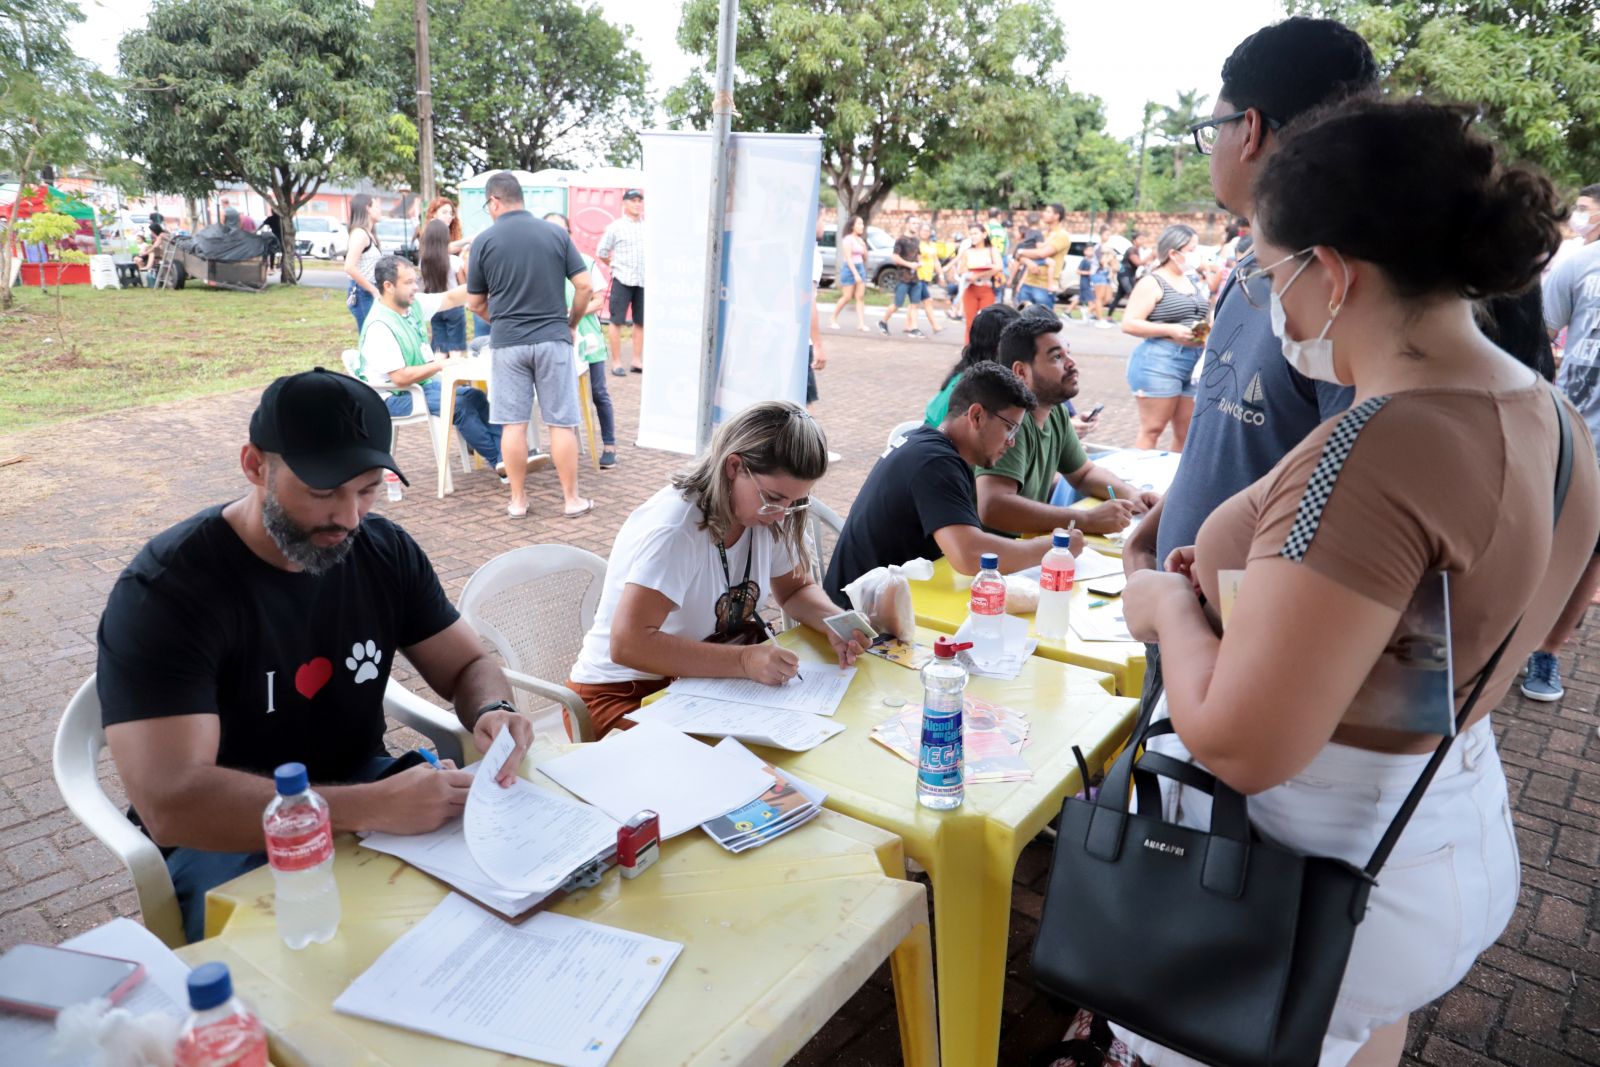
(328, 427)
(633, 194)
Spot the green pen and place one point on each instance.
(1098, 603)
(1112, 490)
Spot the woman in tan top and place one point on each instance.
(1378, 225)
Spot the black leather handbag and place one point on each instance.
(1222, 945)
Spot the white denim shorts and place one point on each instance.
(1444, 896)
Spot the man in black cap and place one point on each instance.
(263, 632)
(622, 249)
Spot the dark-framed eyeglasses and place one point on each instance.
(1205, 133)
(1012, 428)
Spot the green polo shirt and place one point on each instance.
(1039, 453)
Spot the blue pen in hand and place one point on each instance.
(431, 758)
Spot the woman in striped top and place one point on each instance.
(1171, 315)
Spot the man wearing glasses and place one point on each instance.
(1252, 407)
(918, 500)
(1015, 491)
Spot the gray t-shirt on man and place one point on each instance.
(1252, 408)
(523, 264)
(1572, 301)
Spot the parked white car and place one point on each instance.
(320, 238)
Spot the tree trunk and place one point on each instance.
(10, 227)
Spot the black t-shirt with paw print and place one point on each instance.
(293, 665)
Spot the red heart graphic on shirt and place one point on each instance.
(311, 677)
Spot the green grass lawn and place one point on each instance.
(121, 348)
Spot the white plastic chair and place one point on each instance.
(533, 605)
(80, 739)
(420, 416)
(898, 434)
(823, 525)
(103, 272)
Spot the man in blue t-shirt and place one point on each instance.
(1252, 406)
(1572, 303)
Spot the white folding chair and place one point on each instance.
(420, 416)
(533, 605)
(80, 739)
(898, 434)
(103, 272)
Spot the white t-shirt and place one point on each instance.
(1118, 244)
(380, 352)
(661, 547)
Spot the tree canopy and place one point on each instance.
(1533, 66)
(518, 83)
(278, 94)
(894, 87)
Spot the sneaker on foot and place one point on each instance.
(608, 459)
(884, 326)
(1543, 680)
(915, 333)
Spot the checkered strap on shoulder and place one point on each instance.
(1320, 486)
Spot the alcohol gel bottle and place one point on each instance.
(944, 685)
(300, 849)
(1056, 572)
(391, 483)
(220, 1030)
(988, 610)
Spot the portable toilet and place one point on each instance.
(542, 193)
(595, 198)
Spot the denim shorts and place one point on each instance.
(850, 274)
(1160, 368)
(450, 331)
(914, 291)
(522, 372)
(1445, 894)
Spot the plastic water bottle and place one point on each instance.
(988, 611)
(220, 1030)
(944, 684)
(391, 482)
(300, 849)
(1056, 572)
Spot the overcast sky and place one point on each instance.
(1125, 53)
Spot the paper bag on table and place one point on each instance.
(883, 595)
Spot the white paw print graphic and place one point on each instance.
(363, 659)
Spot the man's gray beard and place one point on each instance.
(295, 542)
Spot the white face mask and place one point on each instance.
(1581, 221)
(1312, 358)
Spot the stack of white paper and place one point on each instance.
(1088, 565)
(656, 767)
(788, 804)
(514, 846)
(555, 989)
(817, 688)
(1104, 622)
(709, 717)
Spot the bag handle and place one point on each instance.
(1403, 816)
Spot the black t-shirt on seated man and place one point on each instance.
(294, 665)
(922, 486)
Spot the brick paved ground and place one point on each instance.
(90, 493)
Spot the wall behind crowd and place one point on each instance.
(1208, 224)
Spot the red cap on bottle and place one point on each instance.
(946, 647)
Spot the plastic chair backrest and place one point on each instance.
(534, 605)
(898, 434)
(823, 525)
(79, 741)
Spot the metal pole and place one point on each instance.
(424, 106)
(721, 127)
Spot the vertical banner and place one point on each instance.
(765, 294)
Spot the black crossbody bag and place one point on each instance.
(1222, 944)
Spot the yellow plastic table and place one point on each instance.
(941, 604)
(970, 853)
(775, 941)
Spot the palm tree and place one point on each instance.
(1175, 123)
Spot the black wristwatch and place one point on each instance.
(498, 705)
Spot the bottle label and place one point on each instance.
(990, 601)
(939, 761)
(237, 1041)
(299, 840)
(1056, 579)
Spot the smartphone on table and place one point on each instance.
(43, 980)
